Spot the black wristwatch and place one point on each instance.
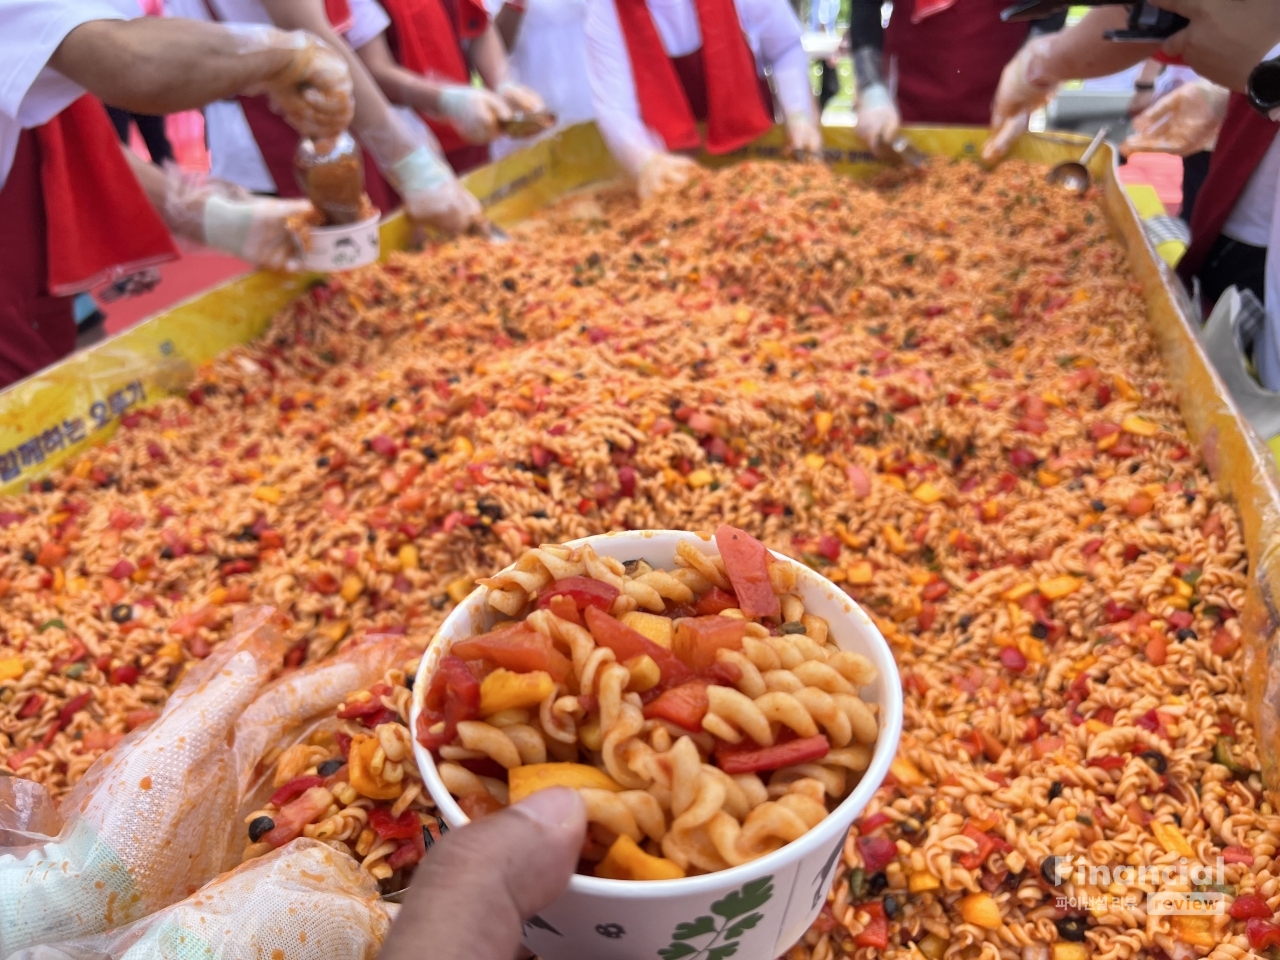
(1264, 86)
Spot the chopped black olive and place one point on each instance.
(1186, 633)
(1039, 631)
(1097, 506)
(1055, 790)
(1071, 929)
(322, 462)
(630, 567)
(1134, 467)
(490, 509)
(247, 534)
(260, 826)
(792, 626)
(391, 402)
(1190, 498)
(877, 883)
(29, 556)
(46, 485)
(1049, 871)
(371, 536)
(1155, 760)
(539, 514)
(430, 453)
(439, 600)
(509, 285)
(891, 908)
(330, 767)
(965, 621)
(122, 613)
(166, 553)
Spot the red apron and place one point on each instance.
(718, 75)
(949, 63)
(1244, 140)
(426, 38)
(73, 216)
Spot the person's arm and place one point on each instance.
(777, 30)
(400, 85)
(508, 23)
(1224, 41)
(489, 58)
(865, 26)
(613, 91)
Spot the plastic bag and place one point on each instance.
(1182, 123)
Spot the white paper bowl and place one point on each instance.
(334, 249)
(628, 920)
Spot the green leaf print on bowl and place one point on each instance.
(737, 913)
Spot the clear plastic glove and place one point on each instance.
(304, 901)
(433, 196)
(1184, 122)
(474, 113)
(878, 117)
(663, 172)
(155, 817)
(1026, 85)
(803, 136)
(519, 98)
(229, 218)
(314, 92)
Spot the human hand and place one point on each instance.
(1139, 102)
(256, 229)
(1184, 122)
(470, 896)
(878, 117)
(1027, 83)
(314, 92)
(662, 172)
(519, 98)
(804, 136)
(1225, 40)
(432, 195)
(474, 113)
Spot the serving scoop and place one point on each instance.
(1073, 175)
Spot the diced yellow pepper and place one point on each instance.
(170, 651)
(981, 910)
(927, 492)
(1095, 726)
(906, 772)
(645, 674)
(12, 668)
(1181, 587)
(334, 631)
(1080, 666)
(352, 587)
(459, 589)
(1127, 390)
(1194, 930)
(1047, 478)
(822, 423)
(1172, 839)
(463, 446)
(1109, 441)
(893, 480)
(60, 579)
(922, 882)
(218, 596)
(408, 555)
(1032, 649)
(933, 946)
(1055, 588)
(699, 479)
(990, 511)
(1139, 426)
(626, 861)
(1052, 399)
(920, 577)
(532, 777)
(363, 780)
(268, 494)
(82, 469)
(860, 574)
(847, 538)
(894, 539)
(814, 461)
(1068, 951)
(507, 690)
(650, 625)
(1014, 594)
(589, 734)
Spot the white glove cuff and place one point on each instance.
(420, 172)
(227, 224)
(453, 100)
(875, 96)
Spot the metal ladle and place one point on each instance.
(1073, 175)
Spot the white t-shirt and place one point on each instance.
(1266, 177)
(32, 93)
(233, 153)
(1250, 221)
(772, 32)
(550, 57)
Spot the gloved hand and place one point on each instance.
(305, 901)
(878, 117)
(519, 98)
(432, 194)
(1027, 84)
(474, 113)
(155, 816)
(314, 92)
(663, 172)
(1184, 122)
(803, 136)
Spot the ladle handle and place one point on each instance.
(1095, 144)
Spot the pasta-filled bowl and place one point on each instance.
(725, 712)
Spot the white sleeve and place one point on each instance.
(613, 90)
(774, 34)
(33, 31)
(1267, 359)
(368, 20)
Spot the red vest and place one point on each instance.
(1244, 140)
(949, 63)
(733, 117)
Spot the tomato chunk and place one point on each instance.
(519, 648)
(735, 758)
(715, 600)
(564, 608)
(627, 643)
(478, 804)
(746, 561)
(1251, 906)
(877, 853)
(295, 788)
(685, 705)
(296, 814)
(583, 591)
(876, 932)
(697, 639)
(1262, 934)
(1237, 855)
(404, 827)
(454, 696)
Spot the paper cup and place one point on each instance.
(764, 906)
(343, 248)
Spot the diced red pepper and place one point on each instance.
(1157, 650)
(737, 758)
(1013, 659)
(1180, 620)
(986, 846)
(1237, 855)
(123, 570)
(292, 789)
(124, 675)
(583, 591)
(936, 590)
(927, 616)
(31, 706)
(293, 816)
(1149, 721)
(1223, 643)
(1251, 906)
(51, 555)
(685, 705)
(1108, 763)
(355, 709)
(454, 696)
(1022, 458)
(388, 827)
(516, 647)
(627, 481)
(1113, 612)
(746, 561)
(1262, 934)
(627, 643)
(72, 707)
(876, 932)
(715, 600)
(876, 820)
(877, 853)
